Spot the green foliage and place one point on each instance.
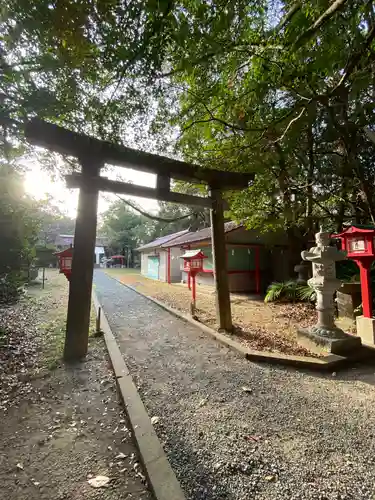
(10, 287)
(123, 227)
(286, 291)
(347, 270)
(306, 293)
(45, 256)
(289, 291)
(52, 222)
(285, 98)
(18, 229)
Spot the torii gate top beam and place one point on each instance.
(64, 141)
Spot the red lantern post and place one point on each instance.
(193, 264)
(65, 258)
(358, 242)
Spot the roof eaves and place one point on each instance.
(160, 242)
(206, 235)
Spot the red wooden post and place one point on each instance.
(169, 265)
(189, 280)
(257, 270)
(364, 268)
(194, 291)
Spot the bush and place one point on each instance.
(289, 291)
(306, 293)
(10, 288)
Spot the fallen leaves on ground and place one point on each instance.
(260, 326)
(18, 351)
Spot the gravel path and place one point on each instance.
(290, 435)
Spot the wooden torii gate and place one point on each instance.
(93, 154)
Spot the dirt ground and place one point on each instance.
(61, 426)
(261, 326)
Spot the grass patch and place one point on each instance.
(53, 334)
(51, 305)
(53, 344)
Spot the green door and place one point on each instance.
(153, 267)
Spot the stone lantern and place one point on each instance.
(303, 270)
(325, 335)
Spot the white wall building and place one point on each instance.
(64, 241)
(159, 263)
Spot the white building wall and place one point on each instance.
(176, 263)
(163, 265)
(99, 251)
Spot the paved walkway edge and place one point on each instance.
(161, 477)
(326, 363)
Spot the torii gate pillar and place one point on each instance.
(219, 254)
(79, 306)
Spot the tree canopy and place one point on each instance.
(126, 228)
(283, 89)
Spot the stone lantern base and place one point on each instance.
(366, 330)
(322, 340)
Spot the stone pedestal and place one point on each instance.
(366, 330)
(348, 299)
(333, 341)
(325, 336)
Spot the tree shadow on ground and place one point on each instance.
(357, 371)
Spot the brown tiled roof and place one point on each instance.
(203, 234)
(160, 241)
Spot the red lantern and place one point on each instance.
(65, 258)
(193, 264)
(358, 242)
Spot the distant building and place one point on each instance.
(161, 263)
(64, 241)
(253, 259)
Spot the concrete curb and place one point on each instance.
(330, 362)
(161, 477)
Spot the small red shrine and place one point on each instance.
(193, 261)
(193, 264)
(65, 258)
(358, 242)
